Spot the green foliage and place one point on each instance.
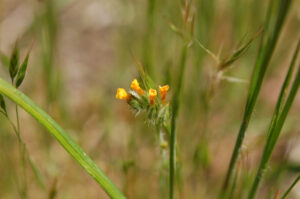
(175, 109)
(2, 105)
(22, 71)
(17, 73)
(283, 106)
(62, 137)
(290, 187)
(14, 63)
(157, 113)
(277, 12)
(193, 131)
(238, 53)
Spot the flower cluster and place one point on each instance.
(141, 100)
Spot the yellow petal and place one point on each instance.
(122, 94)
(163, 89)
(136, 86)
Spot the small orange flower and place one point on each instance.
(152, 95)
(136, 86)
(122, 94)
(163, 91)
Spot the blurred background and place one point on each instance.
(81, 51)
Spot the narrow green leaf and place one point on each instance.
(14, 63)
(282, 108)
(62, 137)
(238, 53)
(37, 173)
(284, 90)
(175, 109)
(290, 188)
(275, 18)
(2, 105)
(22, 71)
(234, 183)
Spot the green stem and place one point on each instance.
(275, 129)
(62, 137)
(148, 46)
(18, 120)
(25, 157)
(277, 12)
(163, 163)
(290, 188)
(23, 152)
(175, 109)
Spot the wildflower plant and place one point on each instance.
(199, 25)
(149, 101)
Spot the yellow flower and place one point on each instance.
(136, 86)
(163, 91)
(152, 95)
(122, 94)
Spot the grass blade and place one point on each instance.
(2, 105)
(279, 116)
(235, 180)
(277, 12)
(37, 173)
(290, 188)
(14, 63)
(175, 109)
(239, 52)
(62, 137)
(22, 71)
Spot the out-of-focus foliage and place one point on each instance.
(81, 51)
